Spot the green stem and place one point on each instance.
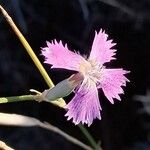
(27, 48)
(89, 137)
(23, 98)
(18, 98)
(60, 102)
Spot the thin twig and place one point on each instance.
(65, 135)
(27, 47)
(26, 121)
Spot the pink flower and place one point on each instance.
(85, 105)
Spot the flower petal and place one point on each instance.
(60, 56)
(85, 105)
(101, 48)
(111, 82)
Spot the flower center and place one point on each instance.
(91, 70)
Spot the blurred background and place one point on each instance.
(124, 125)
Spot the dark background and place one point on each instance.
(125, 125)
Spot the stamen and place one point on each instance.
(91, 69)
